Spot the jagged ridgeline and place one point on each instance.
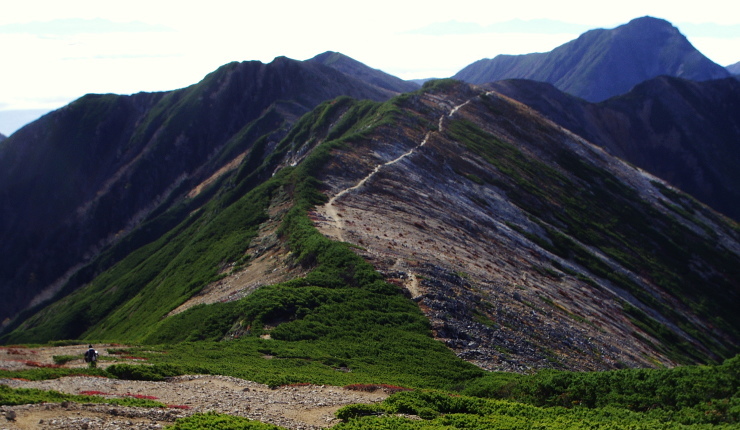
(212, 240)
(81, 178)
(521, 245)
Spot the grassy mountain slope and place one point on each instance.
(604, 63)
(79, 179)
(340, 315)
(208, 240)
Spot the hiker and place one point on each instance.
(91, 356)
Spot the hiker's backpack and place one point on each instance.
(90, 355)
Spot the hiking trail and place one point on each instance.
(332, 214)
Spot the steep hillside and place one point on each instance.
(352, 67)
(604, 63)
(523, 245)
(527, 246)
(79, 179)
(684, 132)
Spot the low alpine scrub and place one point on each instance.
(440, 410)
(64, 359)
(371, 388)
(638, 390)
(212, 420)
(43, 373)
(24, 396)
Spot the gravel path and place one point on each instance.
(294, 407)
(298, 407)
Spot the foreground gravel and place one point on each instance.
(293, 407)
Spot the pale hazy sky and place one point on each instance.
(53, 51)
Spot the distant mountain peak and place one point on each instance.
(651, 21)
(603, 63)
(354, 68)
(332, 56)
(649, 29)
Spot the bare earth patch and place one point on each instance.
(293, 407)
(268, 264)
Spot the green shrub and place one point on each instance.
(44, 373)
(25, 396)
(212, 420)
(63, 359)
(689, 394)
(157, 372)
(359, 410)
(445, 411)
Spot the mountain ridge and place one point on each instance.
(491, 254)
(268, 199)
(43, 246)
(680, 130)
(446, 327)
(525, 246)
(601, 64)
(352, 67)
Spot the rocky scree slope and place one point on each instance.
(601, 63)
(529, 247)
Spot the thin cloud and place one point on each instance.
(122, 57)
(74, 26)
(549, 26)
(534, 26)
(717, 31)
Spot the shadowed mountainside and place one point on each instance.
(82, 177)
(687, 133)
(604, 63)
